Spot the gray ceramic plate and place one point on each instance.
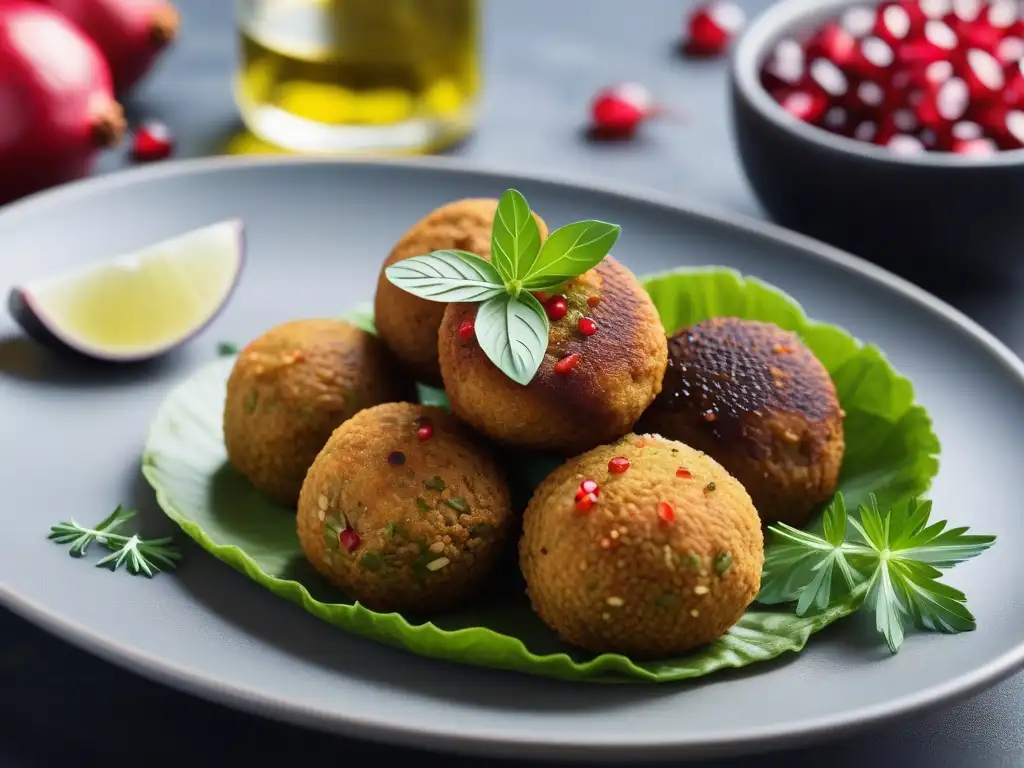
(70, 439)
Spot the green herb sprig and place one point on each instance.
(511, 325)
(141, 556)
(890, 564)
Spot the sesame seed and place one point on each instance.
(322, 515)
(615, 602)
(437, 565)
(614, 534)
(695, 613)
(437, 546)
(605, 543)
(606, 616)
(322, 502)
(700, 589)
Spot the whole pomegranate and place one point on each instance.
(130, 33)
(57, 107)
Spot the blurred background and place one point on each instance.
(627, 93)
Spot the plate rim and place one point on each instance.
(240, 697)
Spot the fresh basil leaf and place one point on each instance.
(515, 236)
(448, 276)
(570, 251)
(513, 333)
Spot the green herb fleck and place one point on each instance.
(693, 559)
(145, 556)
(458, 504)
(390, 529)
(434, 484)
(422, 506)
(252, 400)
(481, 530)
(371, 562)
(723, 562)
(666, 600)
(227, 348)
(710, 486)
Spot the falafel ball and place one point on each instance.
(664, 557)
(404, 509)
(756, 399)
(407, 323)
(291, 387)
(589, 390)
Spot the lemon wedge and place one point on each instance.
(137, 305)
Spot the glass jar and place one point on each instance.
(358, 76)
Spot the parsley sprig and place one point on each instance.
(145, 556)
(888, 563)
(511, 325)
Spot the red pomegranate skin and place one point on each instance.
(56, 100)
(131, 33)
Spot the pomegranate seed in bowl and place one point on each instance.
(902, 73)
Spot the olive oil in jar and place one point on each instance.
(358, 76)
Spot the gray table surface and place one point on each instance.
(544, 60)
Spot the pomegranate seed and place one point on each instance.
(904, 144)
(894, 23)
(983, 74)
(804, 105)
(836, 44)
(665, 512)
(466, 330)
(836, 120)
(965, 130)
(785, 67)
(567, 363)
(593, 301)
(711, 28)
(585, 503)
(975, 147)
(1013, 92)
(152, 142)
(619, 110)
(349, 539)
(943, 104)
(934, 9)
(556, 308)
(618, 465)
(865, 131)
(425, 432)
(935, 45)
(858, 21)
(684, 473)
(1010, 50)
(1002, 14)
(873, 61)
(590, 486)
(828, 77)
(1015, 129)
(587, 326)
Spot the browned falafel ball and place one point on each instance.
(408, 323)
(615, 372)
(756, 399)
(404, 509)
(291, 387)
(665, 557)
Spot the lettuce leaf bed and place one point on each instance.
(891, 451)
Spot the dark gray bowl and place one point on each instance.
(915, 214)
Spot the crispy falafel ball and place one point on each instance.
(291, 387)
(407, 323)
(616, 371)
(756, 399)
(404, 510)
(666, 559)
